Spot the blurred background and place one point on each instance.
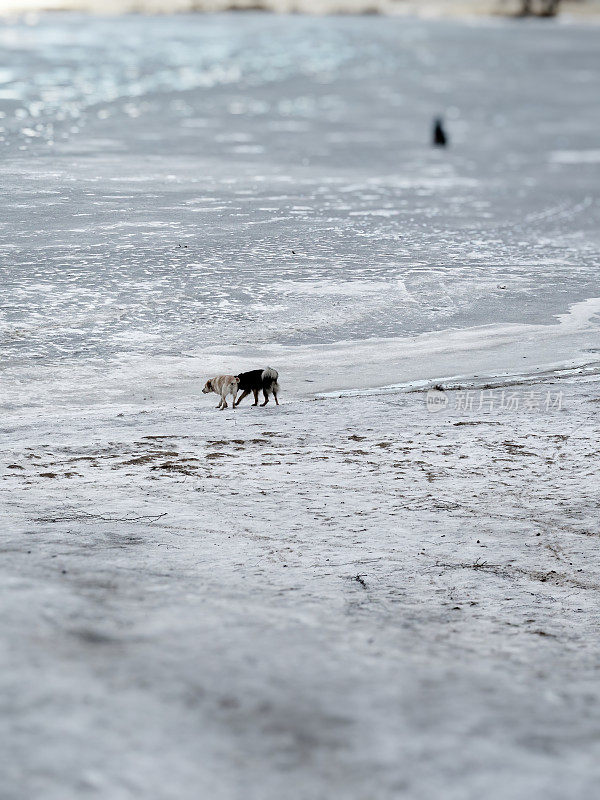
(426, 7)
(429, 7)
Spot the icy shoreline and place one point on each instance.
(479, 357)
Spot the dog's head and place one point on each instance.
(208, 387)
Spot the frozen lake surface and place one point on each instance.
(175, 185)
(346, 596)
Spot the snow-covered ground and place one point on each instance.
(352, 597)
(371, 591)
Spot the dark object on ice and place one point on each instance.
(439, 134)
(542, 8)
(257, 380)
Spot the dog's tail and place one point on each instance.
(269, 378)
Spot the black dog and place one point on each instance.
(257, 380)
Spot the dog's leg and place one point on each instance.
(245, 393)
(276, 400)
(266, 396)
(255, 397)
(234, 395)
(223, 401)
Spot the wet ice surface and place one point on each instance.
(175, 184)
(179, 591)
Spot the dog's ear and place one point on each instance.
(209, 385)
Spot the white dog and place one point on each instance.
(223, 385)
